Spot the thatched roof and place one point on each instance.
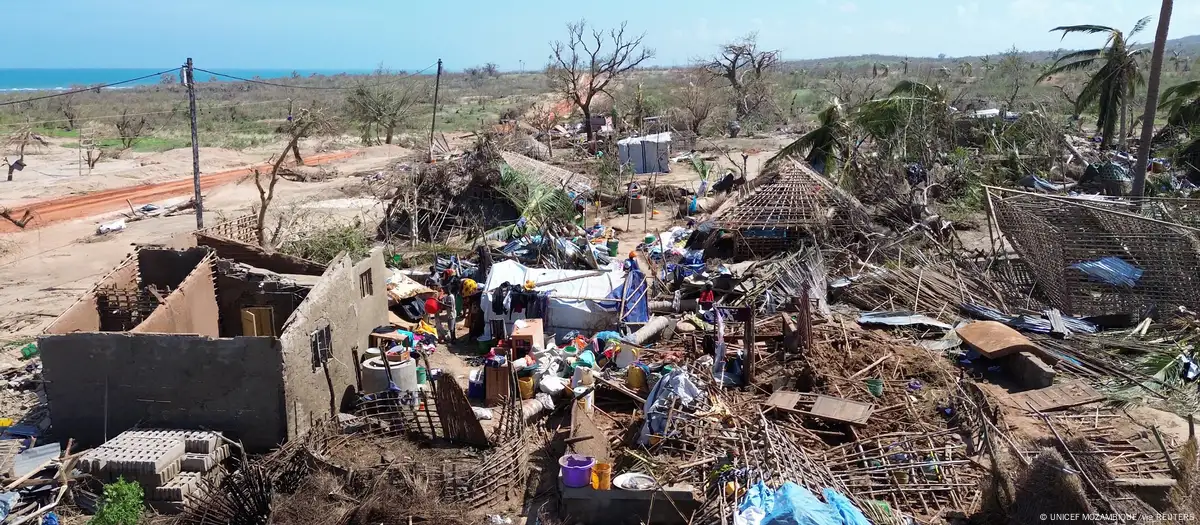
(549, 174)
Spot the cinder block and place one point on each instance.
(177, 489)
(160, 478)
(167, 507)
(1029, 370)
(198, 462)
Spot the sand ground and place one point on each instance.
(45, 270)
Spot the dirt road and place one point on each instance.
(53, 210)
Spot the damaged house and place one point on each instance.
(220, 335)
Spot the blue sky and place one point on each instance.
(400, 34)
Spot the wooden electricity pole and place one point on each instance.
(437, 84)
(190, 78)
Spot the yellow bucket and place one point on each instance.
(526, 386)
(602, 476)
(635, 378)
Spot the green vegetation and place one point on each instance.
(1112, 85)
(538, 204)
(324, 242)
(121, 504)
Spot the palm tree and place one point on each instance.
(1113, 84)
(966, 69)
(985, 62)
(1160, 42)
(1182, 104)
(540, 205)
(829, 144)
(823, 147)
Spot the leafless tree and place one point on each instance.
(744, 65)
(306, 123)
(589, 60)
(696, 102)
(18, 141)
(69, 109)
(129, 128)
(544, 119)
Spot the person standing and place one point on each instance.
(432, 306)
(707, 298)
(449, 314)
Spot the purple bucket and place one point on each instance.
(576, 470)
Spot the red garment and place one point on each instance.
(431, 306)
(706, 296)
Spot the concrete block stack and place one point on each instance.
(169, 464)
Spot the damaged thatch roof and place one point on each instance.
(550, 175)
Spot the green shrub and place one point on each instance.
(322, 244)
(120, 505)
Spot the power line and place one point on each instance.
(85, 90)
(252, 81)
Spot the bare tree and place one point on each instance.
(744, 65)
(306, 123)
(697, 102)
(584, 66)
(544, 119)
(69, 109)
(18, 141)
(130, 129)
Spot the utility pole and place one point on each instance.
(190, 76)
(437, 84)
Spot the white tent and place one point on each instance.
(573, 304)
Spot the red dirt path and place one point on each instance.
(80, 206)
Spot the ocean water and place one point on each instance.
(61, 79)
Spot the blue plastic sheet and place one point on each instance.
(634, 291)
(795, 505)
(792, 504)
(1111, 270)
(849, 514)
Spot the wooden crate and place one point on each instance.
(497, 383)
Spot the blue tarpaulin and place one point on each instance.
(792, 504)
(634, 291)
(1111, 270)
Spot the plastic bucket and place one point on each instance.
(635, 378)
(422, 375)
(484, 346)
(576, 470)
(875, 387)
(602, 476)
(527, 387)
(613, 247)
